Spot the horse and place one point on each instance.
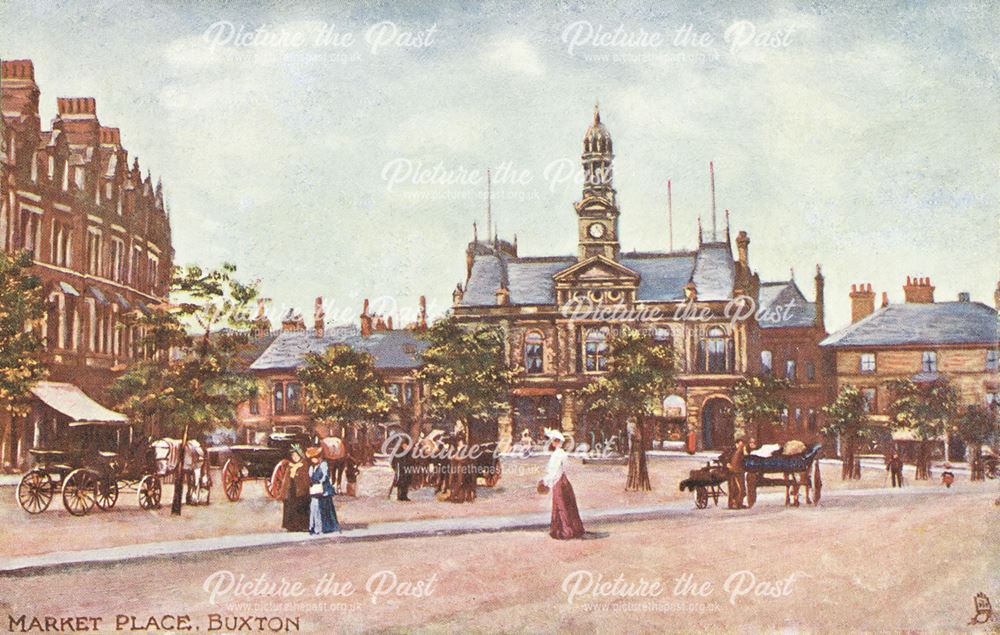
(337, 455)
(166, 453)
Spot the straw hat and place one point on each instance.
(312, 453)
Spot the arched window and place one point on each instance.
(595, 350)
(715, 350)
(534, 350)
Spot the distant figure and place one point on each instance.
(402, 464)
(737, 478)
(352, 472)
(322, 515)
(566, 523)
(895, 468)
(295, 494)
(947, 476)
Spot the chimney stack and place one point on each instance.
(862, 301)
(366, 321)
(292, 322)
(964, 297)
(885, 299)
(996, 297)
(820, 281)
(918, 291)
(422, 315)
(743, 247)
(388, 323)
(458, 294)
(319, 317)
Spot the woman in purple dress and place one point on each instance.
(566, 523)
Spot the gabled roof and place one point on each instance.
(909, 324)
(390, 349)
(782, 305)
(595, 263)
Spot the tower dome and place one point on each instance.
(597, 139)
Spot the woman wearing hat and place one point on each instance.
(566, 523)
(295, 493)
(322, 515)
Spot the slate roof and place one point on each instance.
(774, 310)
(938, 323)
(662, 276)
(391, 349)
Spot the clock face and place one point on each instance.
(596, 230)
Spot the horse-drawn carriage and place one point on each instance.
(262, 462)
(797, 465)
(90, 467)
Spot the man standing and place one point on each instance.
(402, 465)
(737, 474)
(895, 468)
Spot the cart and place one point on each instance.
(706, 483)
(261, 462)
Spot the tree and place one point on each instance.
(975, 426)
(466, 376)
(342, 387)
(640, 372)
(21, 303)
(924, 408)
(759, 400)
(847, 417)
(193, 380)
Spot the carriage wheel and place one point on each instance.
(751, 489)
(106, 494)
(232, 480)
(494, 476)
(34, 492)
(701, 497)
(150, 491)
(273, 485)
(79, 492)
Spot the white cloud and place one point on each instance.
(514, 55)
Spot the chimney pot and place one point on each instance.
(964, 296)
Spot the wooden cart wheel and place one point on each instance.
(232, 479)
(150, 491)
(817, 485)
(494, 476)
(106, 494)
(34, 492)
(701, 497)
(79, 492)
(273, 485)
(751, 489)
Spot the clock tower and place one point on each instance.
(597, 211)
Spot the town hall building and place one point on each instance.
(558, 313)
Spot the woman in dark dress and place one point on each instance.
(566, 523)
(295, 494)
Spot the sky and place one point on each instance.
(340, 150)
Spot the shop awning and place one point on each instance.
(75, 404)
(69, 289)
(97, 295)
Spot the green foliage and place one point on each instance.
(640, 372)
(466, 375)
(21, 303)
(760, 399)
(925, 408)
(193, 378)
(341, 386)
(848, 414)
(978, 425)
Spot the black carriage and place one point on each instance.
(795, 470)
(706, 483)
(262, 462)
(95, 461)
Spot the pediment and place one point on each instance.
(595, 203)
(596, 270)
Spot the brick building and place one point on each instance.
(559, 311)
(791, 329)
(281, 400)
(99, 233)
(921, 340)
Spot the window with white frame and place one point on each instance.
(928, 361)
(867, 363)
(117, 259)
(153, 270)
(766, 361)
(95, 259)
(534, 348)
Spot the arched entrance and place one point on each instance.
(717, 427)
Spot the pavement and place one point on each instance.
(61, 560)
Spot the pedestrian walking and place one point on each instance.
(566, 523)
(322, 514)
(895, 468)
(295, 493)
